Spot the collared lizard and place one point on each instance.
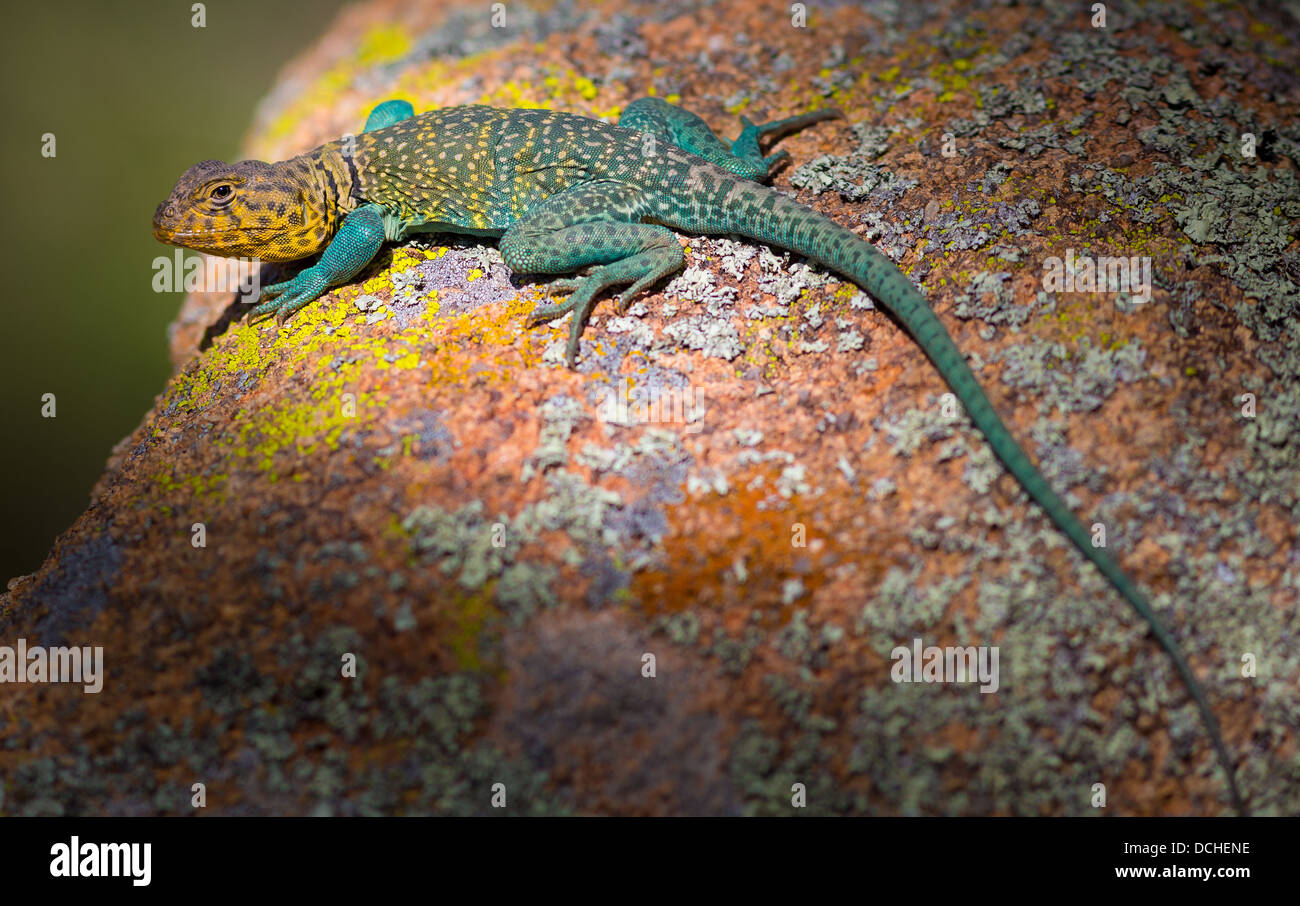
(561, 193)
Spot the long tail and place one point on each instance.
(757, 212)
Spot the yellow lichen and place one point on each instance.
(383, 44)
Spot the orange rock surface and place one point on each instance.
(688, 603)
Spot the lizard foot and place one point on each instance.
(293, 295)
(746, 144)
(582, 300)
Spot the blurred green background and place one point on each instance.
(134, 94)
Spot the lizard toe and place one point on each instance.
(543, 313)
(264, 309)
(566, 285)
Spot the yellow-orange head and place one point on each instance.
(248, 209)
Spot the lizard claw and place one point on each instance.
(623, 301)
(263, 310)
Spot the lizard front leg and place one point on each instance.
(358, 241)
(353, 246)
(593, 224)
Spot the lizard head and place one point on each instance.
(248, 209)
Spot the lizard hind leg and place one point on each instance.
(389, 112)
(594, 225)
(690, 133)
(745, 147)
(681, 127)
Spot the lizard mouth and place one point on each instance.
(165, 234)
(234, 242)
(187, 234)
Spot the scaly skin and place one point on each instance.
(562, 193)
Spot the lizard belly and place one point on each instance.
(397, 228)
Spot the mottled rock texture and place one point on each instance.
(405, 474)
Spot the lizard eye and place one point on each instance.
(221, 191)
